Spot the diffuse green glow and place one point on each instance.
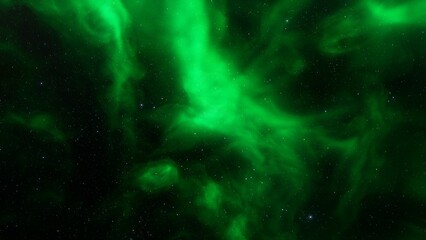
(406, 12)
(220, 96)
(105, 24)
(43, 123)
(351, 28)
(157, 176)
(279, 150)
(221, 101)
(343, 33)
(5, 2)
(211, 197)
(237, 229)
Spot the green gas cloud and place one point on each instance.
(104, 25)
(158, 175)
(45, 124)
(277, 122)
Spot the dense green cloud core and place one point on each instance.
(213, 119)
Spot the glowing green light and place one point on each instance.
(42, 123)
(211, 196)
(237, 229)
(157, 176)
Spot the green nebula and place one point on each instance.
(213, 119)
(42, 123)
(212, 196)
(410, 12)
(158, 175)
(237, 229)
(102, 24)
(221, 100)
(351, 28)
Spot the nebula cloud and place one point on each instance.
(212, 119)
